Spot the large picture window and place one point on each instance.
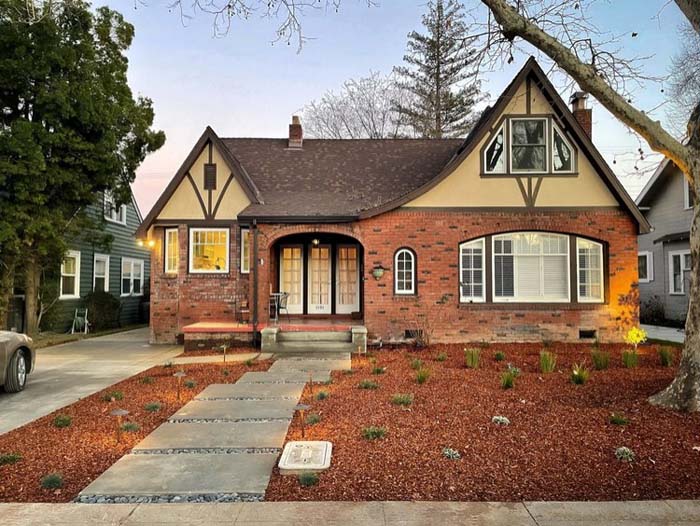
(471, 271)
(590, 270)
(209, 250)
(528, 145)
(70, 275)
(405, 272)
(171, 255)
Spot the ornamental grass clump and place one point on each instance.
(416, 364)
(404, 399)
(313, 419)
(130, 427)
(147, 380)
(624, 454)
(190, 384)
(601, 359)
(471, 358)
(378, 370)
(62, 421)
(322, 395)
(617, 419)
(507, 379)
(499, 356)
(9, 458)
(368, 384)
(113, 396)
(441, 357)
(450, 453)
(548, 361)
(666, 356)
(579, 374)
(308, 479)
(249, 362)
(152, 407)
(374, 432)
(52, 481)
(630, 359)
(513, 370)
(422, 375)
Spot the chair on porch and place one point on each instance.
(282, 306)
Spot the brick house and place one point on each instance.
(518, 232)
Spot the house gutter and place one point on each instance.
(255, 280)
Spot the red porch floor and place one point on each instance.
(291, 325)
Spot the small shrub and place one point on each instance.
(630, 359)
(548, 361)
(147, 380)
(378, 370)
(635, 336)
(500, 420)
(52, 481)
(601, 359)
(152, 407)
(515, 371)
(368, 384)
(249, 362)
(130, 427)
(450, 453)
(471, 358)
(579, 374)
(348, 372)
(422, 375)
(225, 372)
(402, 399)
(168, 364)
(313, 419)
(374, 432)
(617, 419)
(507, 380)
(441, 357)
(113, 396)
(547, 343)
(308, 479)
(416, 364)
(328, 382)
(624, 454)
(666, 356)
(9, 458)
(499, 356)
(104, 310)
(62, 421)
(322, 395)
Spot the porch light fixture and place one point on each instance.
(378, 272)
(315, 241)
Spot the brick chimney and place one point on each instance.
(296, 135)
(581, 112)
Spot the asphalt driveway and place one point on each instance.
(66, 373)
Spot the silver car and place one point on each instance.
(17, 359)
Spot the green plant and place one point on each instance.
(52, 481)
(152, 407)
(368, 384)
(547, 343)
(308, 478)
(618, 419)
(328, 382)
(168, 364)
(405, 399)
(225, 372)
(484, 344)
(471, 358)
(322, 395)
(635, 336)
(624, 454)
(62, 421)
(416, 364)
(579, 374)
(666, 356)
(441, 357)
(508, 380)
(378, 370)
(548, 361)
(450, 453)
(313, 418)
(374, 432)
(422, 375)
(147, 380)
(9, 458)
(348, 372)
(499, 356)
(249, 362)
(515, 371)
(630, 359)
(130, 427)
(190, 384)
(600, 359)
(112, 396)
(104, 310)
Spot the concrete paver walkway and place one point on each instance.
(668, 334)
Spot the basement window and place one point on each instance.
(587, 334)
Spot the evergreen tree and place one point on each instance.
(440, 75)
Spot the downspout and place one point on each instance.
(255, 281)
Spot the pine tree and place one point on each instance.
(440, 75)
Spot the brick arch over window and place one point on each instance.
(270, 234)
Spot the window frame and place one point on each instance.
(119, 217)
(547, 150)
(555, 127)
(681, 254)
(245, 243)
(583, 299)
(104, 257)
(166, 252)
(484, 285)
(76, 293)
(412, 254)
(686, 194)
(190, 249)
(132, 261)
(501, 129)
(650, 265)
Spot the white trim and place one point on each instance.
(473, 299)
(107, 197)
(245, 265)
(191, 246)
(76, 294)
(681, 254)
(293, 308)
(546, 146)
(104, 257)
(590, 299)
(133, 262)
(166, 253)
(412, 290)
(650, 266)
(504, 153)
(555, 127)
(686, 193)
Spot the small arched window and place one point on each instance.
(405, 271)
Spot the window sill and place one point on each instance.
(131, 295)
(114, 221)
(530, 306)
(68, 297)
(676, 293)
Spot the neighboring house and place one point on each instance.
(518, 232)
(664, 253)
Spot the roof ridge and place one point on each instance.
(386, 139)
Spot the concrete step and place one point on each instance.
(309, 336)
(310, 347)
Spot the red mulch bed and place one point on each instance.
(83, 451)
(559, 446)
(216, 352)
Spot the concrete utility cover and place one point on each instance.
(305, 456)
(261, 391)
(235, 409)
(283, 376)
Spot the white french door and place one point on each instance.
(347, 291)
(319, 279)
(292, 276)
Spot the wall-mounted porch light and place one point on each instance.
(315, 241)
(378, 272)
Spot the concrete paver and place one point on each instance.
(299, 377)
(235, 409)
(310, 365)
(214, 358)
(261, 391)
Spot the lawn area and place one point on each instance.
(559, 445)
(85, 448)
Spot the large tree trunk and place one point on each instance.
(7, 282)
(684, 393)
(32, 281)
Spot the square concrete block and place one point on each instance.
(235, 410)
(310, 364)
(186, 474)
(257, 377)
(309, 456)
(216, 435)
(261, 391)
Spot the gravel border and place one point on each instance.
(151, 499)
(226, 420)
(207, 450)
(256, 398)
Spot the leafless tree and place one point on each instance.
(362, 109)
(684, 80)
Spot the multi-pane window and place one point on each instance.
(245, 251)
(171, 255)
(405, 272)
(495, 155)
(562, 152)
(590, 270)
(679, 264)
(132, 277)
(112, 212)
(100, 273)
(645, 265)
(528, 145)
(688, 195)
(209, 250)
(531, 267)
(471, 271)
(70, 275)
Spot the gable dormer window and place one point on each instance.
(562, 152)
(112, 212)
(528, 140)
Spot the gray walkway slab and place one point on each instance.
(298, 377)
(260, 391)
(668, 334)
(282, 365)
(235, 409)
(217, 358)
(185, 474)
(215, 435)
